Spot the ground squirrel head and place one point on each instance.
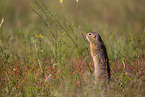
(93, 37)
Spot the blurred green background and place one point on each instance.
(27, 46)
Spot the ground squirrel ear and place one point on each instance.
(95, 36)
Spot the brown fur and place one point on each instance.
(100, 57)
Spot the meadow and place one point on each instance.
(41, 38)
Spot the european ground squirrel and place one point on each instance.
(100, 57)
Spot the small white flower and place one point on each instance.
(2, 22)
(61, 1)
(14, 69)
(77, 0)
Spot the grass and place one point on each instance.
(32, 49)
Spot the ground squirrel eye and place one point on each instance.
(89, 33)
